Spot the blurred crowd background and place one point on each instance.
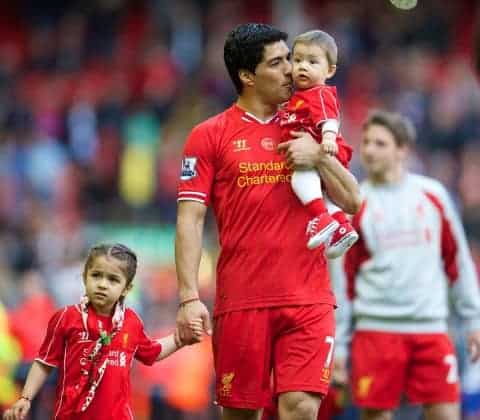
(96, 100)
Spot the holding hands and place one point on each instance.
(196, 333)
(193, 319)
(18, 411)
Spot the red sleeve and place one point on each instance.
(356, 255)
(52, 349)
(197, 171)
(448, 242)
(323, 105)
(345, 152)
(148, 349)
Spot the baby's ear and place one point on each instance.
(332, 70)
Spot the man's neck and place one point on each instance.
(254, 106)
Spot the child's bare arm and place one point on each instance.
(171, 343)
(36, 378)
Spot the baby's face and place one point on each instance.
(310, 66)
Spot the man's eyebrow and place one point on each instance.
(278, 57)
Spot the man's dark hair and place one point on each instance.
(244, 48)
(401, 127)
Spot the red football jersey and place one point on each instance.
(66, 346)
(231, 161)
(308, 110)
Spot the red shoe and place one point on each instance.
(343, 238)
(320, 229)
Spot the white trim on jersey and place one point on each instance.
(64, 380)
(192, 193)
(53, 333)
(190, 199)
(43, 362)
(267, 121)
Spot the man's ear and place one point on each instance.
(246, 77)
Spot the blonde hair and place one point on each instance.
(323, 40)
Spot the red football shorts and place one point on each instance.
(384, 365)
(296, 343)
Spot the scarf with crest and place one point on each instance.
(92, 373)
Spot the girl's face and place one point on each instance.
(105, 283)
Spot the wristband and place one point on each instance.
(185, 302)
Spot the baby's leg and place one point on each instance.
(308, 188)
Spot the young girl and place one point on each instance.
(93, 344)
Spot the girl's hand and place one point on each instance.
(196, 325)
(196, 329)
(18, 411)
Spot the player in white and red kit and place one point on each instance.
(274, 305)
(411, 261)
(93, 345)
(314, 107)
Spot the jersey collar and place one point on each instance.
(250, 118)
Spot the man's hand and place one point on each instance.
(18, 411)
(196, 328)
(473, 339)
(303, 152)
(186, 316)
(340, 372)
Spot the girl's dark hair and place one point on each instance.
(401, 127)
(244, 47)
(117, 251)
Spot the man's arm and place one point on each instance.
(188, 251)
(305, 153)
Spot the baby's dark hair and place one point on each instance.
(117, 251)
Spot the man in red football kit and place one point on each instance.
(274, 306)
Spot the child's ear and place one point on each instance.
(127, 289)
(332, 70)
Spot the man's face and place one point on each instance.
(273, 75)
(379, 152)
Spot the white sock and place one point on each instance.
(331, 208)
(307, 185)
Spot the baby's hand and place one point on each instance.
(329, 147)
(18, 411)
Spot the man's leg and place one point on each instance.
(442, 411)
(298, 406)
(240, 414)
(372, 414)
